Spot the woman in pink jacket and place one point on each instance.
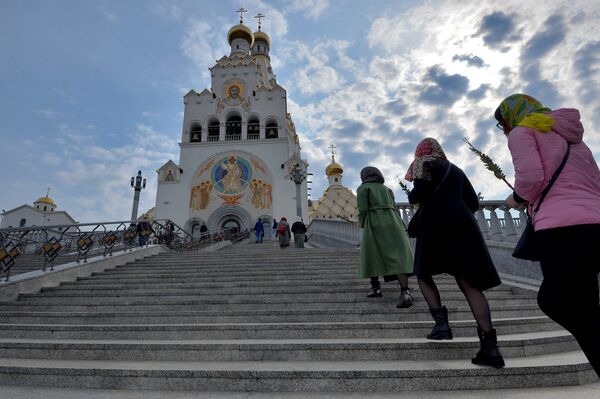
(567, 224)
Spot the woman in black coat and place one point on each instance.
(449, 241)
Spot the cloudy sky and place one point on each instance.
(91, 91)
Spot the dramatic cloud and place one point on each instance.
(587, 70)
(470, 59)
(479, 93)
(544, 41)
(441, 88)
(498, 29)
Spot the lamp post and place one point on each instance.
(138, 184)
(298, 176)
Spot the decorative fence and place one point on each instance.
(77, 242)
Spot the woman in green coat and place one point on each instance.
(385, 249)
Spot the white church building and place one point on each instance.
(238, 146)
(42, 213)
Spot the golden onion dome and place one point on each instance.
(263, 37)
(334, 168)
(240, 31)
(46, 200)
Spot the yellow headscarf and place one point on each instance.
(524, 110)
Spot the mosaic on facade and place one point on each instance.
(233, 178)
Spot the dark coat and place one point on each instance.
(298, 228)
(450, 240)
(259, 228)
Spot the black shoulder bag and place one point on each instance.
(527, 247)
(414, 226)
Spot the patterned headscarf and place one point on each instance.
(371, 174)
(523, 110)
(427, 150)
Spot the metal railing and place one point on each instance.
(79, 241)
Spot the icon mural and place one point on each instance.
(234, 179)
(200, 196)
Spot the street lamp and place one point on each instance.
(138, 184)
(297, 176)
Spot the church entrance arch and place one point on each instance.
(230, 216)
(231, 226)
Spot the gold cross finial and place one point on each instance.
(332, 148)
(48, 192)
(242, 10)
(259, 16)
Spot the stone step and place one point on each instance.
(311, 291)
(568, 368)
(512, 346)
(353, 283)
(153, 316)
(241, 302)
(398, 329)
(587, 391)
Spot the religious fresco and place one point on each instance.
(235, 178)
(200, 196)
(234, 96)
(262, 195)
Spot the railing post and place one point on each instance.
(480, 217)
(510, 228)
(495, 227)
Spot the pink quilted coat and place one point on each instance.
(575, 196)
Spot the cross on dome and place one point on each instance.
(332, 148)
(259, 16)
(242, 10)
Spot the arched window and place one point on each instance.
(233, 128)
(213, 131)
(196, 133)
(23, 222)
(253, 128)
(271, 130)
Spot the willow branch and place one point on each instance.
(489, 164)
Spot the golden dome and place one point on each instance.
(46, 200)
(334, 168)
(262, 36)
(240, 31)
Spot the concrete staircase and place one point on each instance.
(254, 318)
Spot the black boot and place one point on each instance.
(441, 330)
(489, 354)
(406, 299)
(375, 291)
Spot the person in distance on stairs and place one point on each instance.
(259, 231)
(449, 241)
(385, 249)
(567, 224)
(283, 233)
(299, 232)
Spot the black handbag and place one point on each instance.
(527, 247)
(416, 222)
